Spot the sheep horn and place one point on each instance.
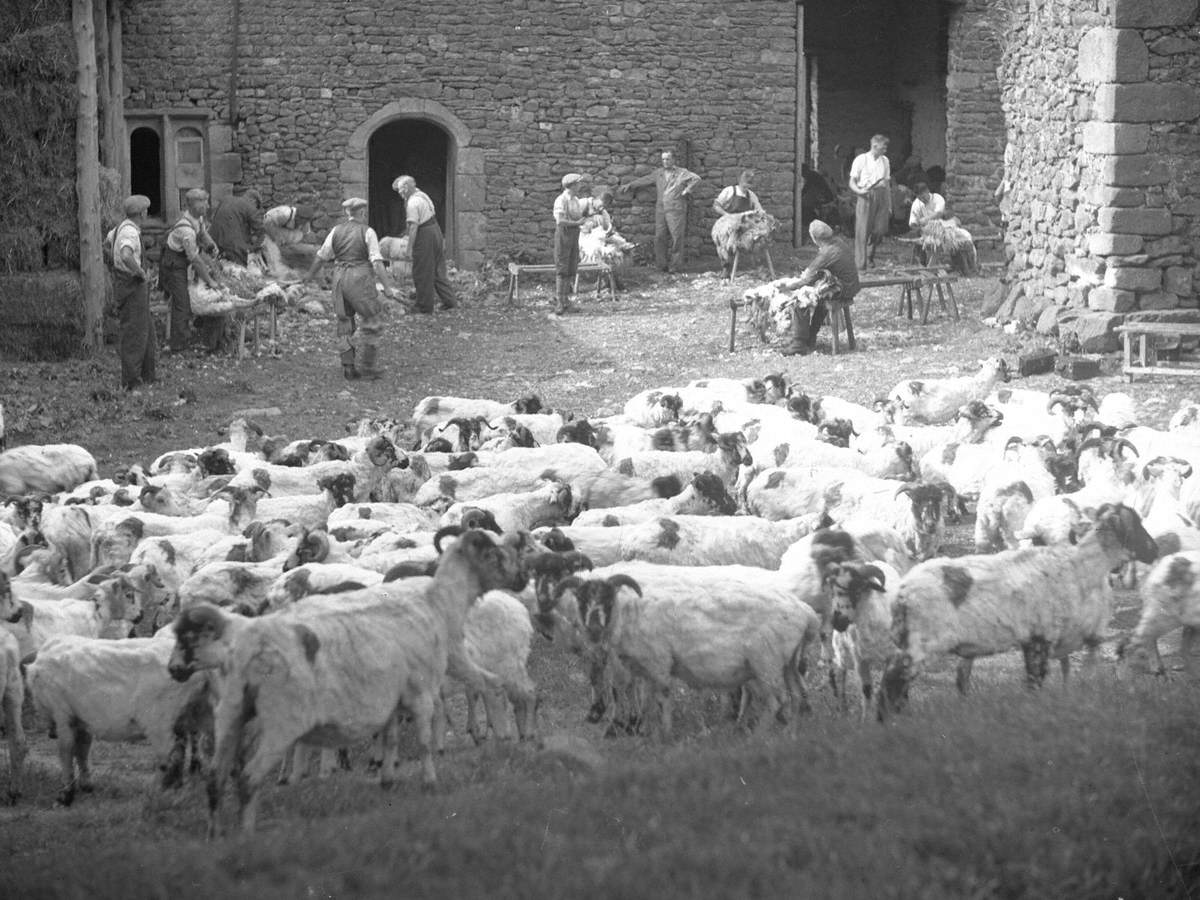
(571, 582)
(903, 489)
(876, 575)
(447, 531)
(620, 580)
(1125, 442)
(317, 542)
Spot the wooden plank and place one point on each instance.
(1168, 328)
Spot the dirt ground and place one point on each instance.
(661, 330)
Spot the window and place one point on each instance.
(189, 146)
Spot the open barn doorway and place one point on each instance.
(413, 147)
(145, 167)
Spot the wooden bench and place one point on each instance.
(1147, 357)
(516, 270)
(912, 281)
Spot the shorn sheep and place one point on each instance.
(934, 401)
(12, 691)
(1049, 601)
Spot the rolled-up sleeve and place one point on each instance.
(325, 251)
(372, 240)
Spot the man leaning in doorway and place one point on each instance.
(674, 184)
(871, 182)
(185, 240)
(426, 247)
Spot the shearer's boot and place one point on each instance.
(348, 369)
(560, 296)
(799, 345)
(368, 367)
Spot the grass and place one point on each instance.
(1086, 792)
(1090, 792)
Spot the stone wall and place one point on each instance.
(1102, 103)
(975, 129)
(530, 89)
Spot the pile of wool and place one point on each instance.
(948, 238)
(607, 246)
(772, 304)
(742, 231)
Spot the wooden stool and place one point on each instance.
(839, 315)
(766, 252)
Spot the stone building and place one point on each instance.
(488, 102)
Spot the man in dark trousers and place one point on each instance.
(358, 280)
(237, 225)
(426, 247)
(837, 256)
(674, 185)
(135, 341)
(184, 242)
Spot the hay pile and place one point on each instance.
(742, 231)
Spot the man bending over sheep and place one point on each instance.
(354, 249)
(836, 256)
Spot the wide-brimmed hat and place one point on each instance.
(135, 204)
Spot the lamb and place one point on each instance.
(727, 462)
(112, 610)
(860, 596)
(94, 689)
(894, 460)
(691, 540)
(498, 636)
(45, 469)
(1049, 601)
(1170, 600)
(311, 511)
(343, 673)
(549, 504)
(518, 469)
(717, 627)
(431, 410)
(706, 495)
(933, 401)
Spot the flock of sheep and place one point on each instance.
(243, 604)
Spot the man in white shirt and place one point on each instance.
(871, 181)
(925, 206)
(426, 247)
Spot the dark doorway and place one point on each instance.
(145, 167)
(406, 147)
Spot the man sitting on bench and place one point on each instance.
(836, 255)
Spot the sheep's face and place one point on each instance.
(117, 600)
(928, 513)
(1120, 524)
(497, 565)
(712, 496)
(849, 585)
(733, 449)
(595, 600)
(216, 461)
(381, 452)
(198, 629)
(837, 432)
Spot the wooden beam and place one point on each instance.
(108, 147)
(92, 276)
(801, 149)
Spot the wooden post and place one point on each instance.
(801, 150)
(104, 87)
(116, 92)
(87, 174)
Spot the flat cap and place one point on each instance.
(135, 204)
(196, 194)
(353, 203)
(571, 178)
(819, 231)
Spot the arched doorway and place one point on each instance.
(405, 146)
(145, 167)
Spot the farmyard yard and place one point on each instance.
(1084, 792)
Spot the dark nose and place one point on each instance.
(841, 621)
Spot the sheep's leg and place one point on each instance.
(473, 729)
(495, 705)
(267, 754)
(664, 710)
(1064, 665)
(864, 685)
(387, 745)
(83, 750)
(1187, 642)
(893, 688)
(66, 758)
(460, 667)
(962, 677)
(13, 696)
(424, 712)
(1037, 658)
(327, 761)
(525, 704)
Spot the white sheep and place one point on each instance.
(345, 667)
(1049, 601)
(716, 627)
(549, 504)
(12, 693)
(705, 495)
(429, 411)
(517, 469)
(94, 689)
(861, 595)
(933, 401)
(1170, 600)
(112, 610)
(45, 469)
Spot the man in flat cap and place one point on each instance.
(237, 225)
(569, 214)
(835, 255)
(135, 340)
(358, 280)
(674, 184)
(426, 247)
(185, 240)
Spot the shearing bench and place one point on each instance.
(1148, 361)
(516, 270)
